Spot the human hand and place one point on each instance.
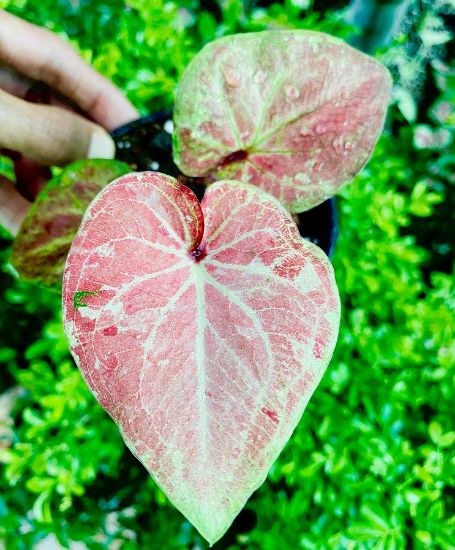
(49, 123)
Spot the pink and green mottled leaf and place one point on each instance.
(40, 249)
(203, 329)
(296, 113)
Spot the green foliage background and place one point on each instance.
(371, 463)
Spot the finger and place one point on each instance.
(32, 90)
(13, 207)
(50, 135)
(12, 82)
(41, 55)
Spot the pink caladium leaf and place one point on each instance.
(296, 113)
(203, 329)
(44, 239)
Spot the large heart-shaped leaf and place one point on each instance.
(203, 329)
(40, 249)
(294, 112)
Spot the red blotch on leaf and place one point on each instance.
(111, 363)
(271, 414)
(318, 349)
(110, 331)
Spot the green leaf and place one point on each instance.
(376, 517)
(406, 103)
(447, 440)
(42, 508)
(424, 537)
(435, 431)
(80, 295)
(364, 531)
(40, 484)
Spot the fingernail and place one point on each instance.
(101, 146)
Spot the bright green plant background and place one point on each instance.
(370, 463)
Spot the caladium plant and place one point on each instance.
(296, 113)
(203, 329)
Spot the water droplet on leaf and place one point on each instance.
(259, 77)
(231, 76)
(292, 92)
(301, 178)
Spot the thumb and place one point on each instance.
(50, 135)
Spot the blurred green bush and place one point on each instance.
(370, 464)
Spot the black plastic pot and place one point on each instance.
(146, 144)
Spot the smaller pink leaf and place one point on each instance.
(44, 239)
(203, 329)
(296, 113)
